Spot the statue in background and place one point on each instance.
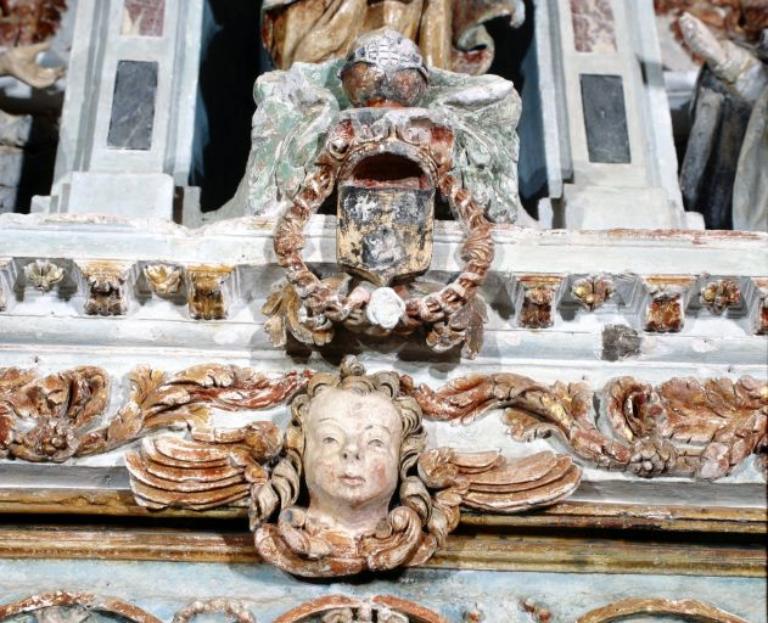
(740, 21)
(723, 173)
(450, 33)
(26, 30)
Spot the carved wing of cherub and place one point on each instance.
(490, 482)
(214, 468)
(483, 112)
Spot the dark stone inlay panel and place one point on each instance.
(605, 118)
(133, 105)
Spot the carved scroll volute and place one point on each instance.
(687, 427)
(683, 427)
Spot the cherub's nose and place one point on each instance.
(351, 452)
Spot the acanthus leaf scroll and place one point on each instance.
(60, 416)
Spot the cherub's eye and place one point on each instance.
(376, 443)
(328, 441)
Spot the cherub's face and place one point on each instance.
(352, 456)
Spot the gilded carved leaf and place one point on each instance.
(284, 311)
(43, 419)
(706, 428)
(55, 417)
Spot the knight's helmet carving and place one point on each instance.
(395, 155)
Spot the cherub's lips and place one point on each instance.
(351, 480)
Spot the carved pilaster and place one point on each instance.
(536, 300)
(666, 300)
(209, 291)
(720, 295)
(107, 286)
(43, 274)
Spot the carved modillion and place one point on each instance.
(108, 287)
(758, 308)
(43, 274)
(7, 281)
(536, 300)
(666, 301)
(165, 280)
(720, 295)
(209, 291)
(593, 291)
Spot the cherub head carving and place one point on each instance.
(350, 486)
(354, 440)
(360, 438)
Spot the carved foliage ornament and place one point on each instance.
(59, 416)
(351, 485)
(388, 162)
(682, 427)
